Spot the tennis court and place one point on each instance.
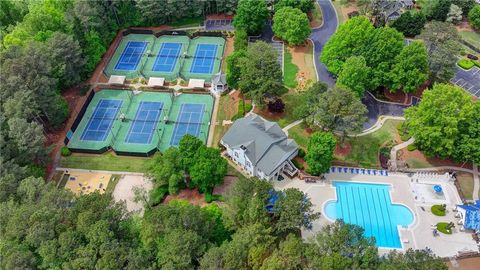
(140, 123)
(101, 121)
(167, 57)
(145, 122)
(204, 58)
(131, 55)
(189, 121)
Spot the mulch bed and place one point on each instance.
(343, 150)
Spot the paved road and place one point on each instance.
(320, 36)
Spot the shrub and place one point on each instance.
(84, 89)
(474, 17)
(240, 40)
(297, 164)
(385, 151)
(158, 194)
(276, 106)
(209, 197)
(411, 147)
(465, 63)
(444, 227)
(438, 210)
(301, 152)
(65, 152)
(36, 170)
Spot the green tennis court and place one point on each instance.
(130, 56)
(168, 56)
(139, 124)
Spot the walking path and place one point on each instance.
(213, 122)
(393, 152)
(97, 171)
(291, 125)
(476, 182)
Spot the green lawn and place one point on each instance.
(107, 161)
(466, 184)
(338, 8)
(471, 37)
(290, 72)
(298, 134)
(365, 149)
(187, 22)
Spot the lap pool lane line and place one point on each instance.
(321, 35)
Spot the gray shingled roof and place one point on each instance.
(266, 144)
(219, 78)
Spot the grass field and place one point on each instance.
(365, 149)
(298, 134)
(290, 76)
(466, 184)
(291, 100)
(187, 22)
(221, 115)
(338, 8)
(107, 161)
(471, 37)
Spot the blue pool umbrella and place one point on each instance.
(437, 188)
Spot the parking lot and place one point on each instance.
(217, 24)
(468, 80)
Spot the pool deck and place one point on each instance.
(418, 235)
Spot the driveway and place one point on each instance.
(320, 36)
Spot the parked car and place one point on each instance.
(471, 56)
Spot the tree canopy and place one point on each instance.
(321, 146)
(291, 25)
(355, 75)
(410, 23)
(443, 124)
(474, 17)
(251, 16)
(303, 5)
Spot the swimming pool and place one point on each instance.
(370, 206)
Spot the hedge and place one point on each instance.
(209, 197)
(240, 114)
(442, 227)
(465, 63)
(297, 164)
(157, 194)
(301, 152)
(411, 147)
(438, 210)
(65, 152)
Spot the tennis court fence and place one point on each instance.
(79, 117)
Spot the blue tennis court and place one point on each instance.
(131, 55)
(189, 121)
(204, 58)
(167, 57)
(143, 126)
(101, 121)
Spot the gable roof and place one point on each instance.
(264, 142)
(219, 78)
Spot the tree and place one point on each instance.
(411, 259)
(180, 249)
(443, 45)
(410, 69)
(162, 167)
(385, 44)
(320, 152)
(204, 174)
(28, 139)
(276, 106)
(466, 146)
(290, 254)
(234, 62)
(293, 211)
(291, 25)
(339, 239)
(440, 10)
(304, 5)
(434, 123)
(454, 14)
(355, 75)
(251, 16)
(350, 39)
(339, 110)
(465, 5)
(410, 23)
(240, 40)
(187, 149)
(65, 56)
(307, 99)
(474, 17)
(261, 75)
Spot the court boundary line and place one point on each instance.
(174, 132)
(110, 125)
(193, 64)
(145, 43)
(150, 136)
(177, 57)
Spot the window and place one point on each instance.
(248, 164)
(236, 154)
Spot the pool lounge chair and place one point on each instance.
(363, 171)
(333, 169)
(381, 172)
(345, 170)
(351, 170)
(368, 171)
(386, 173)
(357, 171)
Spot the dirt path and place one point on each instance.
(302, 57)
